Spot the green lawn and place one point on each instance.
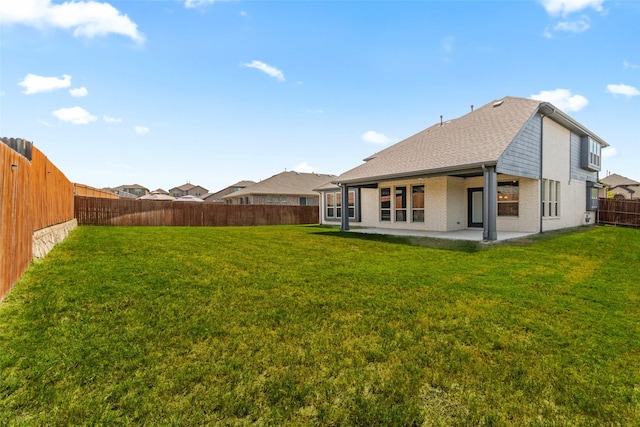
(310, 326)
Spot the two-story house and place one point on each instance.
(188, 189)
(514, 164)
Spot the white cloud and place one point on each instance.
(85, 18)
(79, 92)
(37, 84)
(375, 138)
(190, 4)
(448, 43)
(141, 130)
(566, 7)
(111, 119)
(579, 26)
(608, 152)
(563, 99)
(271, 71)
(75, 115)
(621, 89)
(628, 65)
(305, 168)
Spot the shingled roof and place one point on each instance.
(286, 183)
(477, 138)
(615, 180)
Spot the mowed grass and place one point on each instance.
(310, 326)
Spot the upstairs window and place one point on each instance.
(591, 154)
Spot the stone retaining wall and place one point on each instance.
(46, 238)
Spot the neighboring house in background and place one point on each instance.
(514, 164)
(130, 191)
(188, 189)
(160, 191)
(286, 188)
(619, 187)
(218, 196)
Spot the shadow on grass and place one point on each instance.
(466, 246)
(429, 242)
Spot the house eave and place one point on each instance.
(558, 115)
(470, 170)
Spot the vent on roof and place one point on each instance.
(497, 104)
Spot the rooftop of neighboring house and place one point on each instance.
(615, 180)
(228, 190)
(186, 187)
(476, 138)
(286, 183)
(130, 187)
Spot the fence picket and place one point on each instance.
(127, 212)
(619, 212)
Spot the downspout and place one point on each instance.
(541, 149)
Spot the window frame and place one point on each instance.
(551, 198)
(385, 204)
(508, 199)
(400, 195)
(336, 206)
(420, 209)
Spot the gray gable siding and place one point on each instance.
(522, 156)
(576, 170)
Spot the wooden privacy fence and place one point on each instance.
(87, 191)
(34, 194)
(92, 211)
(619, 212)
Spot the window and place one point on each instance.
(330, 205)
(333, 204)
(276, 199)
(385, 204)
(550, 198)
(306, 201)
(593, 200)
(352, 204)
(591, 154)
(417, 203)
(508, 198)
(401, 204)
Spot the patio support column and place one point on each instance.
(344, 218)
(490, 203)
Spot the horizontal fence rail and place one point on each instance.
(619, 212)
(124, 212)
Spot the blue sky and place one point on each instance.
(164, 92)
